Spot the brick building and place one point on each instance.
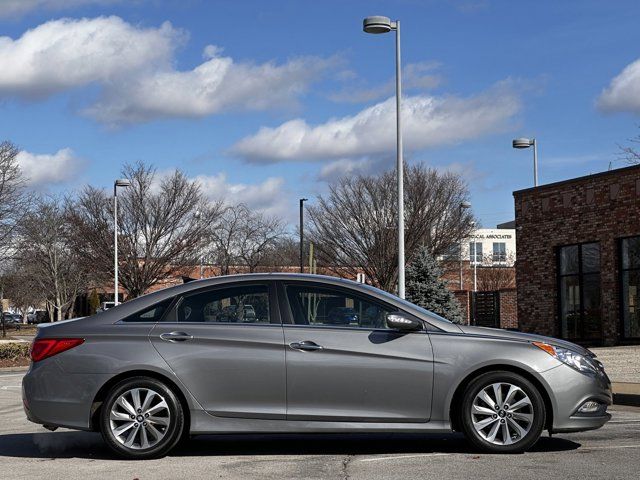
(578, 266)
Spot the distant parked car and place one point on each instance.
(249, 313)
(342, 316)
(104, 306)
(12, 318)
(39, 316)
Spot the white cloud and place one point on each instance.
(218, 84)
(623, 93)
(134, 67)
(428, 121)
(268, 197)
(16, 8)
(47, 169)
(67, 53)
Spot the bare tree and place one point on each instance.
(355, 226)
(225, 238)
(630, 153)
(492, 277)
(46, 257)
(245, 238)
(162, 224)
(259, 239)
(23, 290)
(14, 199)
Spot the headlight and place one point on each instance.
(569, 357)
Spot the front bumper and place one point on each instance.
(570, 390)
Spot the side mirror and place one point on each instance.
(397, 321)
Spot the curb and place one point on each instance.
(625, 393)
(14, 369)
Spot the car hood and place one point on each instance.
(523, 337)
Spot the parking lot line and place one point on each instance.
(398, 457)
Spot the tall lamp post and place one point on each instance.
(463, 206)
(520, 143)
(198, 217)
(474, 237)
(379, 24)
(122, 182)
(302, 200)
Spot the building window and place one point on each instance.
(475, 252)
(579, 284)
(499, 252)
(630, 285)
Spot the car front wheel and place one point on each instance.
(502, 412)
(141, 418)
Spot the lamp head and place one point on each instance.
(377, 24)
(122, 182)
(522, 142)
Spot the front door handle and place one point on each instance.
(176, 337)
(305, 346)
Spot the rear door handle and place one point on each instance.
(176, 337)
(306, 346)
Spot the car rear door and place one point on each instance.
(233, 365)
(344, 364)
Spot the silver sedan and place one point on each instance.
(280, 353)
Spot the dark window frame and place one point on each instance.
(580, 274)
(621, 301)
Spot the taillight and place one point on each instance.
(48, 347)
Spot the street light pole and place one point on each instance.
(463, 206)
(526, 143)
(118, 183)
(302, 200)
(376, 25)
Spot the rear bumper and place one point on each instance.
(570, 390)
(53, 397)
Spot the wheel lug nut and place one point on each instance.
(132, 417)
(146, 415)
(139, 410)
(497, 407)
(502, 420)
(495, 416)
(135, 425)
(506, 407)
(144, 424)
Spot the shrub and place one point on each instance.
(14, 351)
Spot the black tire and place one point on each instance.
(173, 432)
(537, 409)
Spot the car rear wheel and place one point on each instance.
(502, 412)
(141, 418)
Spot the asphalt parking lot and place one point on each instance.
(29, 451)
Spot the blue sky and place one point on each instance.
(267, 101)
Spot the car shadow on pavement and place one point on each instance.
(67, 444)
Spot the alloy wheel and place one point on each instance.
(502, 413)
(139, 418)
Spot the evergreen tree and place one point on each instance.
(425, 287)
(94, 301)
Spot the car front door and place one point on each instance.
(344, 364)
(232, 362)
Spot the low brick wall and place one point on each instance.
(465, 305)
(508, 308)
